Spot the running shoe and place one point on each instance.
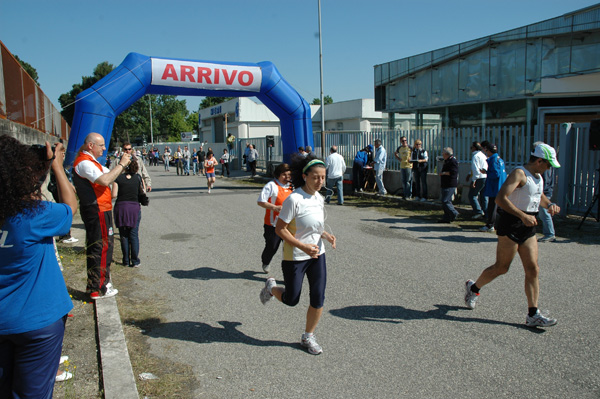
(310, 342)
(266, 268)
(542, 239)
(539, 320)
(477, 216)
(487, 229)
(470, 296)
(265, 293)
(110, 292)
(70, 240)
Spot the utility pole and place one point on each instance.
(151, 132)
(322, 100)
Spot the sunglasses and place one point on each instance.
(127, 149)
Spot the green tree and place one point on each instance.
(29, 69)
(208, 102)
(326, 100)
(67, 100)
(192, 120)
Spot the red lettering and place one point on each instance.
(216, 76)
(250, 78)
(204, 72)
(229, 79)
(169, 73)
(187, 71)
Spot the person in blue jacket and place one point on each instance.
(34, 301)
(360, 161)
(496, 176)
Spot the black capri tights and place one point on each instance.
(293, 275)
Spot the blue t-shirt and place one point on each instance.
(33, 293)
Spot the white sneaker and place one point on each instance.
(110, 292)
(63, 377)
(311, 344)
(539, 320)
(487, 229)
(63, 359)
(265, 293)
(70, 240)
(470, 296)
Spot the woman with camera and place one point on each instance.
(127, 189)
(34, 301)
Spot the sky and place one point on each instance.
(65, 39)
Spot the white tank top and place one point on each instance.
(527, 198)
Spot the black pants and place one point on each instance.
(225, 167)
(272, 241)
(357, 176)
(99, 242)
(252, 165)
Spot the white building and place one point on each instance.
(246, 118)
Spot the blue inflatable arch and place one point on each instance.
(97, 107)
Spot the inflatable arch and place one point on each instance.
(97, 107)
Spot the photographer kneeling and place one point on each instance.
(34, 301)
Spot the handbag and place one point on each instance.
(142, 197)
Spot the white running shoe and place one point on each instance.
(539, 320)
(65, 375)
(311, 344)
(487, 229)
(265, 293)
(110, 292)
(470, 296)
(71, 240)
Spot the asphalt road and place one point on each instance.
(394, 324)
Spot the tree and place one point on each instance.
(67, 100)
(208, 102)
(326, 100)
(29, 69)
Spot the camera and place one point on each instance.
(40, 151)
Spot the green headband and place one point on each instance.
(311, 163)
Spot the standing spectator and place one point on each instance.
(225, 162)
(301, 225)
(156, 156)
(146, 156)
(419, 159)
(230, 143)
(128, 212)
(380, 161)
(186, 160)
(210, 163)
(301, 151)
(246, 152)
(179, 161)
(477, 181)
(544, 215)
(449, 182)
(141, 170)
(336, 167)
(34, 301)
(92, 182)
(496, 176)
(271, 198)
(519, 200)
(167, 157)
(201, 158)
(251, 158)
(195, 161)
(403, 154)
(360, 161)
(309, 151)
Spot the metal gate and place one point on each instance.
(579, 172)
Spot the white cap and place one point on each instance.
(546, 152)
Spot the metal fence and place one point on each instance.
(22, 101)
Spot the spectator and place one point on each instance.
(34, 301)
(186, 160)
(225, 162)
(496, 175)
(195, 161)
(128, 212)
(419, 159)
(271, 198)
(336, 167)
(230, 144)
(304, 250)
(380, 161)
(544, 215)
(309, 151)
(246, 151)
(449, 182)
(92, 182)
(142, 170)
(477, 181)
(210, 163)
(179, 161)
(146, 156)
(360, 161)
(251, 159)
(403, 154)
(301, 151)
(201, 158)
(167, 157)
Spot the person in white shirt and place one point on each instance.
(380, 162)
(479, 202)
(336, 167)
(301, 225)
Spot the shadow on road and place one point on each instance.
(203, 333)
(399, 314)
(210, 273)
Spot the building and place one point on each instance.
(547, 72)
